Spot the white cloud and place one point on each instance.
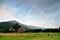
(5, 14)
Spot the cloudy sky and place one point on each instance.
(41, 13)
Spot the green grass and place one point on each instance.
(29, 36)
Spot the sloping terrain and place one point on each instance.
(15, 26)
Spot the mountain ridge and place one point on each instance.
(10, 25)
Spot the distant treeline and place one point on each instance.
(47, 30)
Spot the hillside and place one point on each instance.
(15, 26)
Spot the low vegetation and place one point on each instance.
(30, 36)
(14, 30)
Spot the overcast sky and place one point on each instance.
(42, 13)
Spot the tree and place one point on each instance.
(21, 30)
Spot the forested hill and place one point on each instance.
(15, 26)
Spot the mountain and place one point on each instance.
(15, 26)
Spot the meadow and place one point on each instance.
(30, 36)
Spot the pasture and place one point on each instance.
(30, 36)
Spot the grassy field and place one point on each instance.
(29, 36)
